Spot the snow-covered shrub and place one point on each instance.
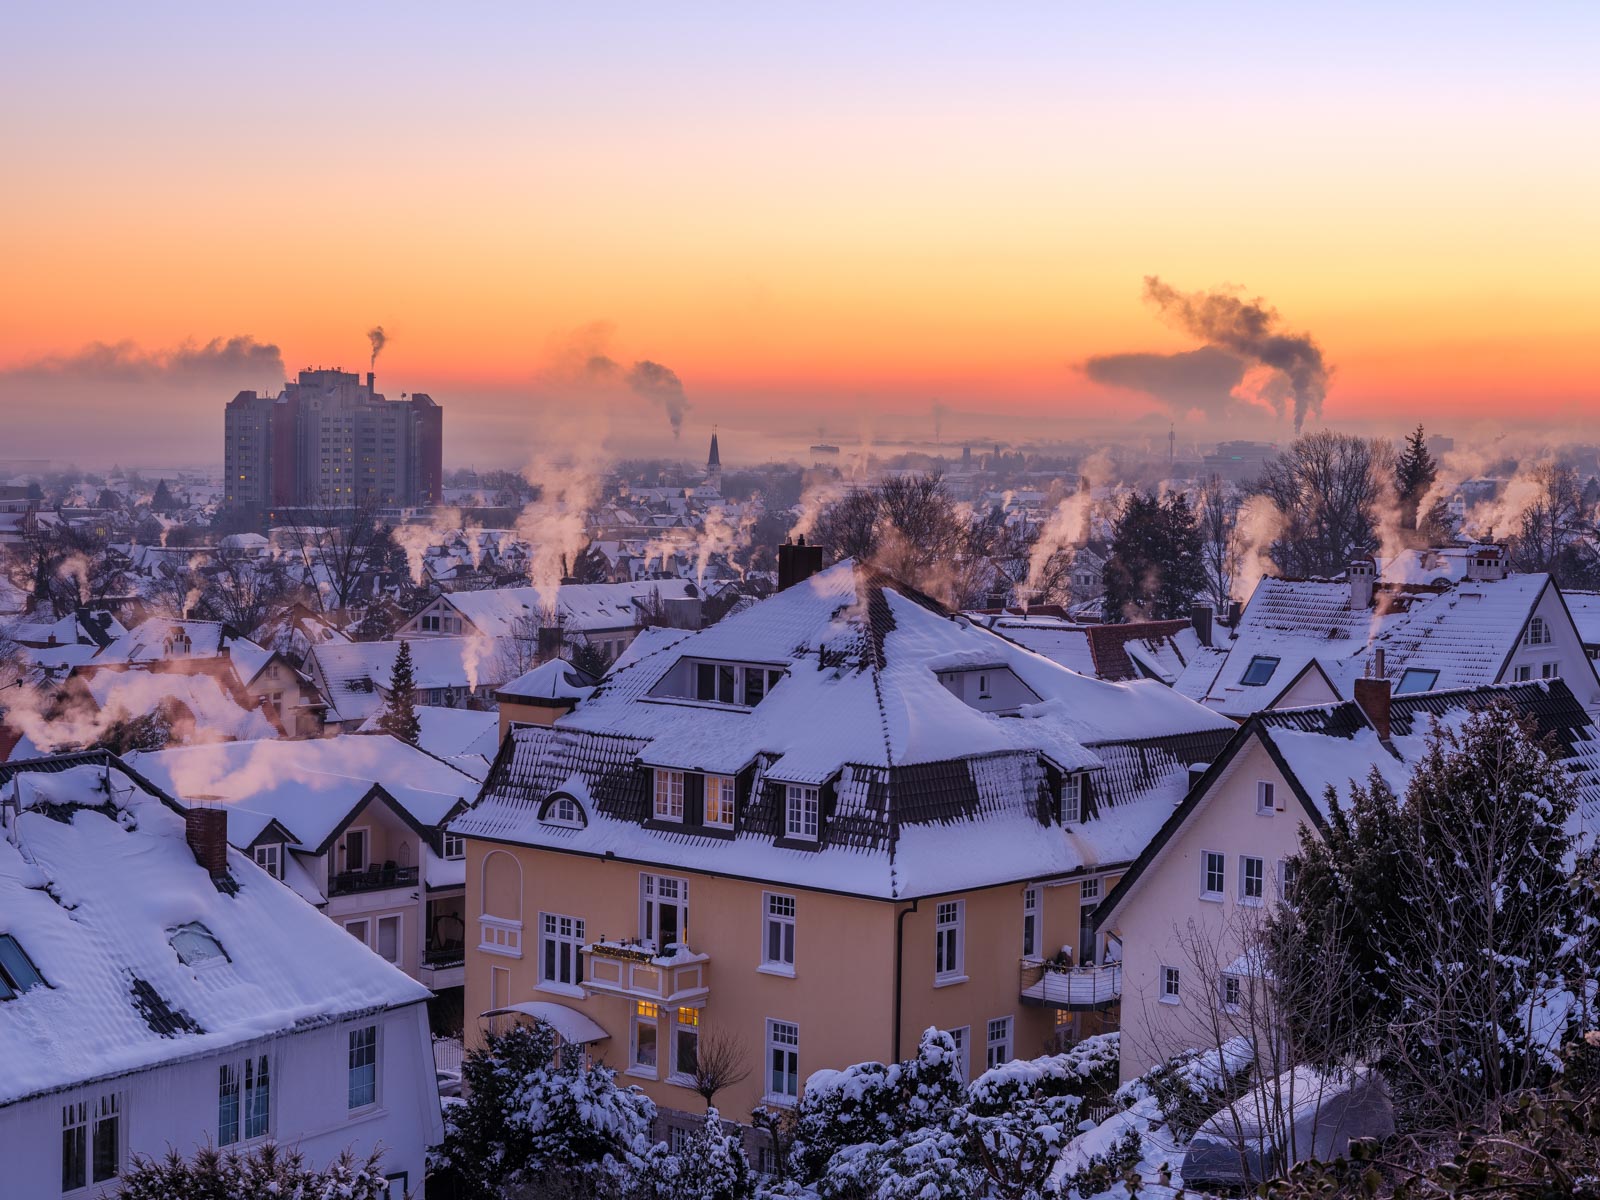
(1101, 1171)
(266, 1172)
(1190, 1086)
(1087, 1069)
(711, 1166)
(532, 1117)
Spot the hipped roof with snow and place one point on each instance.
(94, 880)
(921, 792)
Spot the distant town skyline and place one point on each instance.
(814, 218)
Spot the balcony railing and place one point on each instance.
(444, 956)
(1076, 989)
(637, 971)
(373, 879)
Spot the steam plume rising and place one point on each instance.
(661, 384)
(379, 340)
(1249, 329)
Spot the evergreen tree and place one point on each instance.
(399, 713)
(712, 1166)
(1455, 913)
(1414, 473)
(265, 1172)
(162, 502)
(1155, 570)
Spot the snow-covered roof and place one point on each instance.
(152, 640)
(310, 786)
(920, 778)
(93, 883)
(352, 672)
(216, 713)
(1585, 610)
(556, 679)
(582, 607)
(466, 738)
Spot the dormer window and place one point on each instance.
(719, 801)
(1072, 797)
(736, 683)
(17, 972)
(801, 811)
(668, 795)
(195, 945)
(269, 857)
(562, 810)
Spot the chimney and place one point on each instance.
(1235, 611)
(372, 377)
(1197, 772)
(1363, 576)
(206, 831)
(1200, 617)
(1372, 697)
(797, 562)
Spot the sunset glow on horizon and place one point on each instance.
(808, 213)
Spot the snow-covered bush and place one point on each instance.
(711, 1166)
(266, 1172)
(1101, 1171)
(1190, 1086)
(535, 1120)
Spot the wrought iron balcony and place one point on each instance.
(1076, 989)
(373, 879)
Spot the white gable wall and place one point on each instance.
(1565, 651)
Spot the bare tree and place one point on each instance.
(1328, 486)
(1555, 532)
(243, 589)
(338, 548)
(721, 1061)
(1218, 509)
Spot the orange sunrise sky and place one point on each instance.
(821, 217)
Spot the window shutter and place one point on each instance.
(1277, 798)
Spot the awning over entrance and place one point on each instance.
(572, 1025)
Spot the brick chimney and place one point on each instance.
(206, 831)
(1200, 617)
(797, 562)
(1363, 576)
(1372, 696)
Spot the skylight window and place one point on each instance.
(1416, 680)
(17, 972)
(1259, 671)
(196, 946)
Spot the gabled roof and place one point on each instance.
(94, 881)
(581, 607)
(351, 673)
(1330, 746)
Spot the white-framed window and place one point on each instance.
(997, 1051)
(455, 845)
(1252, 879)
(663, 911)
(430, 623)
(389, 940)
(686, 1042)
(1549, 670)
(1538, 633)
(363, 1069)
(962, 1037)
(802, 808)
(679, 1139)
(357, 845)
(563, 810)
(269, 858)
(1213, 874)
(360, 929)
(949, 941)
(719, 801)
(1089, 889)
(1521, 673)
(669, 795)
(91, 1141)
(560, 940)
(1072, 797)
(1169, 985)
(1288, 874)
(644, 1041)
(500, 935)
(244, 1099)
(1030, 922)
(783, 1061)
(1266, 798)
(777, 937)
(983, 686)
(1231, 993)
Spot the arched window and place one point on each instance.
(562, 809)
(1538, 632)
(500, 924)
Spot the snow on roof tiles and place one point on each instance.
(582, 607)
(93, 885)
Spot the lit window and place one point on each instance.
(17, 972)
(1252, 879)
(802, 808)
(561, 938)
(1259, 671)
(719, 801)
(1415, 680)
(363, 1070)
(669, 795)
(949, 936)
(195, 945)
(1169, 985)
(998, 1050)
(783, 1061)
(777, 943)
(1213, 875)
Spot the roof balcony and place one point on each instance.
(636, 971)
(1088, 988)
(374, 879)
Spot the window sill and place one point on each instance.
(780, 1101)
(502, 951)
(949, 980)
(1211, 897)
(642, 1073)
(570, 990)
(683, 1081)
(1170, 1000)
(777, 969)
(1250, 902)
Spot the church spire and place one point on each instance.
(714, 463)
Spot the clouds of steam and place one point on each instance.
(1203, 380)
(1250, 330)
(651, 380)
(379, 340)
(204, 364)
(556, 525)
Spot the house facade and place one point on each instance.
(185, 1000)
(831, 820)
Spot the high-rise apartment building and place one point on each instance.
(330, 438)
